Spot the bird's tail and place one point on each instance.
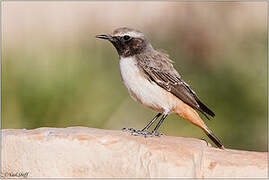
(214, 138)
(186, 112)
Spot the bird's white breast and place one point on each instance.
(142, 90)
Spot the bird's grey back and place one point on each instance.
(157, 60)
(157, 67)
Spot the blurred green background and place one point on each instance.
(56, 74)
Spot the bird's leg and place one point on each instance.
(143, 132)
(151, 122)
(154, 132)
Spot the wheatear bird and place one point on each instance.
(151, 80)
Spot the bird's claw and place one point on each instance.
(135, 132)
(157, 134)
(141, 133)
(129, 130)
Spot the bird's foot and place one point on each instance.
(135, 132)
(130, 130)
(141, 133)
(157, 134)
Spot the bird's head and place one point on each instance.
(127, 41)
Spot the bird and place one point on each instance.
(151, 80)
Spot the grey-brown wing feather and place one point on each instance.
(169, 79)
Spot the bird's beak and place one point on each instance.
(104, 36)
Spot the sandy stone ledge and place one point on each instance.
(88, 152)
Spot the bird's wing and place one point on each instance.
(169, 79)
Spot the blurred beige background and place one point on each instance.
(56, 74)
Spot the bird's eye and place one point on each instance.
(126, 37)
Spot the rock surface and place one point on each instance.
(87, 152)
